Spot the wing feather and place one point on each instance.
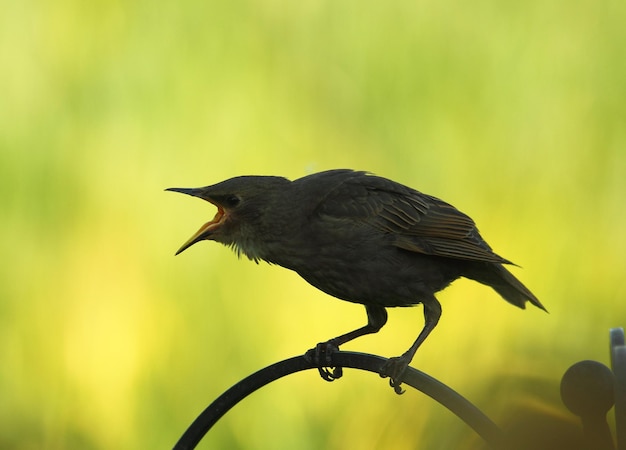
(418, 222)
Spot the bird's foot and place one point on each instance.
(394, 368)
(321, 356)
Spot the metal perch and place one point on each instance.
(588, 388)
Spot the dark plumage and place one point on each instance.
(360, 238)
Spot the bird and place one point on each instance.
(357, 237)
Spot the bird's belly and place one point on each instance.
(397, 278)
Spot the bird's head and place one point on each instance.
(247, 207)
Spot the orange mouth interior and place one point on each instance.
(204, 230)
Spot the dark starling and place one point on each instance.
(360, 238)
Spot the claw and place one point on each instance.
(396, 385)
(394, 368)
(321, 356)
(328, 375)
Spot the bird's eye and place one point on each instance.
(232, 200)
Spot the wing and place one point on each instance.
(418, 222)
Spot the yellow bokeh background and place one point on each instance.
(514, 113)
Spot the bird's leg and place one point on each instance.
(321, 354)
(394, 367)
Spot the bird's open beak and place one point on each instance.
(205, 230)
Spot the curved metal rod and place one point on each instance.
(441, 393)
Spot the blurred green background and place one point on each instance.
(513, 112)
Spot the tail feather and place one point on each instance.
(504, 283)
